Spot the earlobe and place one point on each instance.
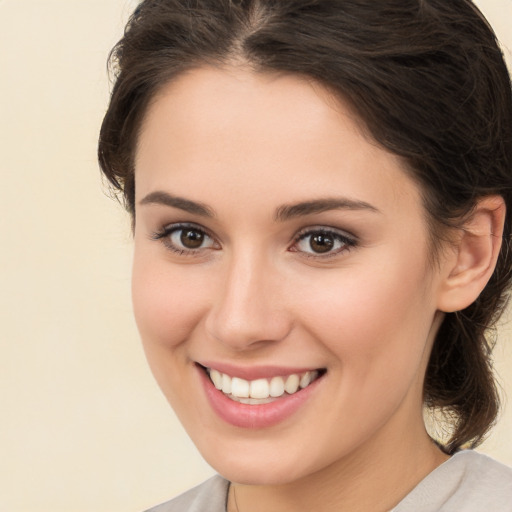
(475, 254)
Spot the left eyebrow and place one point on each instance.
(290, 211)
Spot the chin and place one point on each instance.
(248, 473)
(259, 463)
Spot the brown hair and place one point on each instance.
(425, 76)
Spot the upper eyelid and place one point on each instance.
(167, 229)
(174, 226)
(325, 229)
(301, 232)
(164, 237)
(348, 239)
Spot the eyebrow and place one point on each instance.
(282, 213)
(166, 199)
(291, 211)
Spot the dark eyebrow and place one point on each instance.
(166, 199)
(282, 214)
(290, 211)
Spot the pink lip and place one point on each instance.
(254, 372)
(255, 416)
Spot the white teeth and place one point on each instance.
(251, 401)
(292, 383)
(216, 378)
(226, 384)
(305, 380)
(260, 390)
(308, 378)
(239, 388)
(277, 387)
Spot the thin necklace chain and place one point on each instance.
(234, 496)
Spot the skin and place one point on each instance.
(245, 144)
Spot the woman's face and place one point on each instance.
(277, 245)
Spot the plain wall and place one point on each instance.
(83, 426)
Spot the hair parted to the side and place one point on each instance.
(429, 82)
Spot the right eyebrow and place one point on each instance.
(290, 211)
(166, 199)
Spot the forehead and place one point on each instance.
(264, 135)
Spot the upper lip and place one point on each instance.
(256, 372)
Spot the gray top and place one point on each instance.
(467, 482)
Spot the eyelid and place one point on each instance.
(163, 235)
(320, 228)
(348, 239)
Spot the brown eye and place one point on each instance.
(321, 242)
(186, 239)
(191, 238)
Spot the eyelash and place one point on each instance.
(347, 242)
(165, 237)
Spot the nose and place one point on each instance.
(248, 310)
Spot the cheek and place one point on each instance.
(167, 301)
(376, 327)
(371, 314)
(168, 305)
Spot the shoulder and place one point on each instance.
(210, 496)
(468, 481)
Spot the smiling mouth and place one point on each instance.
(261, 391)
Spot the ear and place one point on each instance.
(475, 252)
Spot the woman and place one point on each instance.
(321, 202)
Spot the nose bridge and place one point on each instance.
(247, 309)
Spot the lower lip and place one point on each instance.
(255, 416)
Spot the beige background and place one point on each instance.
(83, 427)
